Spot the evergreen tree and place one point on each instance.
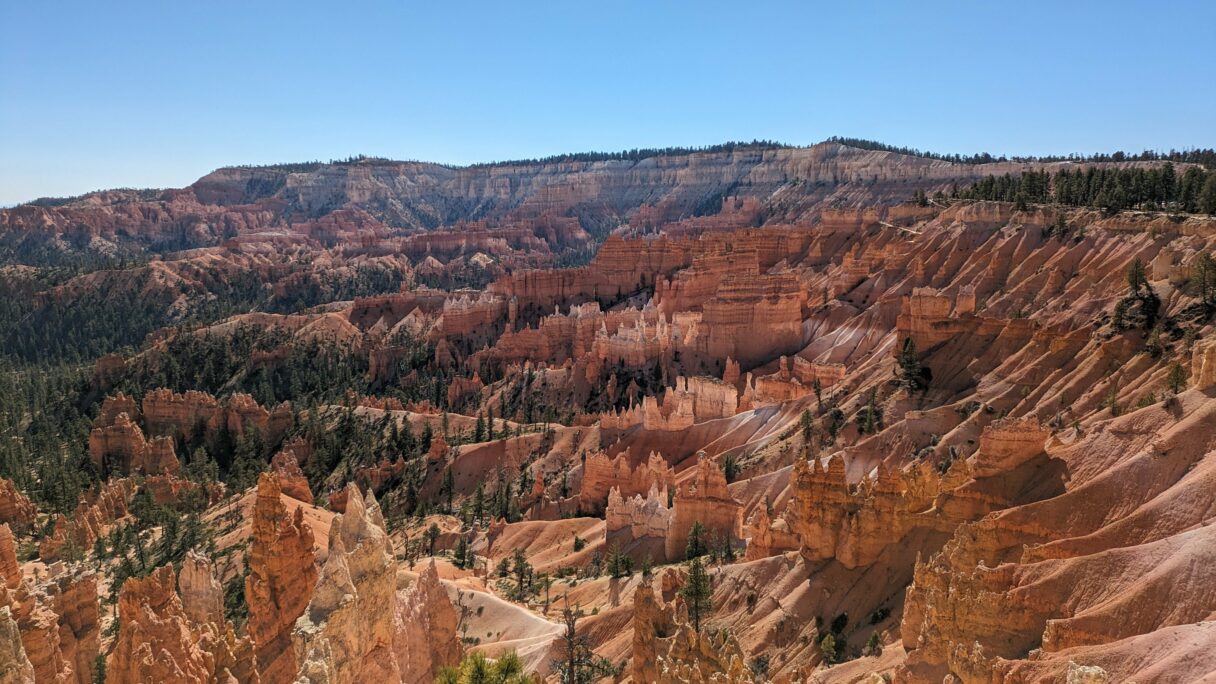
(432, 537)
(696, 545)
(578, 664)
(909, 373)
(697, 593)
(1204, 277)
(1176, 380)
(1137, 281)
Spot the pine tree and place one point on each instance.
(1137, 281)
(909, 372)
(1207, 196)
(1204, 276)
(448, 489)
(432, 537)
(696, 545)
(578, 664)
(1176, 380)
(697, 593)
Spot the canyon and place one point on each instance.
(385, 417)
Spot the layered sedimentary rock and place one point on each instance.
(767, 537)
(650, 620)
(754, 319)
(179, 415)
(76, 604)
(703, 498)
(690, 401)
(10, 570)
(112, 406)
(425, 629)
(346, 632)
(201, 592)
(638, 525)
(1203, 364)
(286, 467)
(602, 474)
(39, 626)
(160, 641)
(282, 573)
(1006, 444)
(58, 621)
(15, 667)
(666, 650)
(648, 525)
(190, 414)
(120, 447)
(93, 517)
(15, 508)
(854, 524)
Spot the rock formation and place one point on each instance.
(93, 517)
(702, 498)
(602, 474)
(15, 667)
(159, 640)
(282, 572)
(120, 447)
(15, 508)
(10, 570)
(666, 650)
(1203, 365)
(346, 632)
(286, 467)
(425, 635)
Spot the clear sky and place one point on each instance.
(155, 94)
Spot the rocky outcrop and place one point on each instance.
(638, 525)
(691, 401)
(651, 621)
(602, 474)
(713, 658)
(286, 467)
(767, 537)
(75, 602)
(10, 570)
(754, 319)
(93, 517)
(854, 524)
(666, 650)
(1203, 364)
(58, 622)
(425, 629)
(346, 633)
(16, 509)
(1006, 444)
(648, 526)
(282, 573)
(112, 406)
(15, 667)
(179, 415)
(39, 626)
(201, 592)
(154, 641)
(187, 415)
(703, 498)
(121, 448)
(159, 641)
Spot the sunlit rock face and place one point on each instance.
(282, 572)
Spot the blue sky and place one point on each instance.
(155, 94)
